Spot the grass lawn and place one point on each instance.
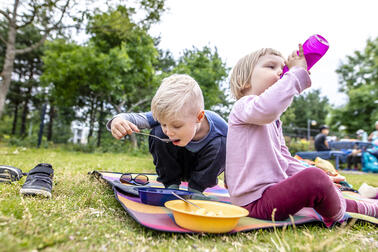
(83, 214)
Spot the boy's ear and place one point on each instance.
(200, 116)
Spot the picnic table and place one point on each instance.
(340, 152)
(339, 145)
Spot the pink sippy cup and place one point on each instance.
(313, 49)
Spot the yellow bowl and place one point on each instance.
(190, 217)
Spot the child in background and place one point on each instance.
(197, 149)
(260, 173)
(373, 138)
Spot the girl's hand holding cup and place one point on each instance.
(297, 59)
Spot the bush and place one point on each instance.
(111, 145)
(296, 145)
(5, 125)
(108, 142)
(31, 141)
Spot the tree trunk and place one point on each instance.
(23, 117)
(25, 112)
(50, 127)
(41, 125)
(16, 104)
(11, 51)
(92, 112)
(100, 124)
(6, 73)
(14, 125)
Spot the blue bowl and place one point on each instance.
(158, 196)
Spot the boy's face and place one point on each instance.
(325, 131)
(181, 129)
(266, 72)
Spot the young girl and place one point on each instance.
(261, 175)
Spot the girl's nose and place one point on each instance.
(280, 72)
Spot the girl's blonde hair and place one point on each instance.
(242, 72)
(177, 94)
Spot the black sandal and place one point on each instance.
(9, 174)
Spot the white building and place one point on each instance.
(80, 132)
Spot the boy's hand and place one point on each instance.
(297, 60)
(121, 127)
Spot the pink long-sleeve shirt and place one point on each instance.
(256, 154)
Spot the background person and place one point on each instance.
(320, 142)
(373, 138)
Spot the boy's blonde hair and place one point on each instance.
(176, 93)
(242, 72)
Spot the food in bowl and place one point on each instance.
(203, 211)
(212, 217)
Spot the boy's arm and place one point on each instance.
(127, 123)
(269, 105)
(141, 120)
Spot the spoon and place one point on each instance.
(187, 201)
(165, 140)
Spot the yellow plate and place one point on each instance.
(190, 217)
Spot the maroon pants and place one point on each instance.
(308, 188)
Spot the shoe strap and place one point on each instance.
(41, 169)
(41, 178)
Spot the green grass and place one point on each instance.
(83, 214)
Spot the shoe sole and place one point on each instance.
(30, 191)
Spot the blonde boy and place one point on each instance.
(196, 152)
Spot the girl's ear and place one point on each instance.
(246, 88)
(200, 116)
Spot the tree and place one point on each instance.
(46, 15)
(81, 76)
(116, 66)
(358, 78)
(115, 29)
(208, 69)
(308, 106)
(27, 69)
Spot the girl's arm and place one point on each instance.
(294, 165)
(268, 106)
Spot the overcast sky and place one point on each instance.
(238, 27)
